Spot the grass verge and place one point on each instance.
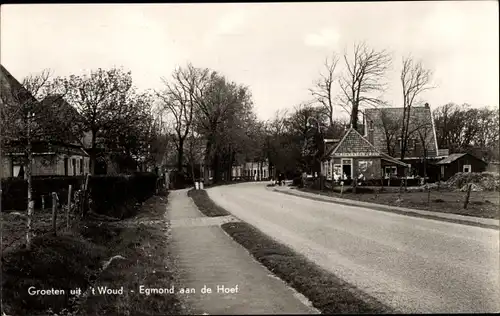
(327, 293)
(205, 204)
(482, 204)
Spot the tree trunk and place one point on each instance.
(207, 162)
(215, 168)
(31, 208)
(93, 153)
(180, 155)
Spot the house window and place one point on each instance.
(467, 168)
(17, 170)
(81, 166)
(337, 171)
(390, 171)
(370, 125)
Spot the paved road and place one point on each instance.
(412, 264)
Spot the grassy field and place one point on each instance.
(76, 259)
(481, 204)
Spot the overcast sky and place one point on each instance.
(276, 49)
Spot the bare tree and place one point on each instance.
(178, 99)
(323, 88)
(365, 71)
(415, 79)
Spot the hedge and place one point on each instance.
(14, 190)
(117, 195)
(111, 195)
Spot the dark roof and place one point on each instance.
(57, 103)
(420, 117)
(451, 158)
(11, 90)
(44, 147)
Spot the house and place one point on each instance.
(354, 156)
(49, 159)
(257, 170)
(460, 162)
(64, 156)
(382, 128)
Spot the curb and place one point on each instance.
(395, 210)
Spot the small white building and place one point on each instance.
(259, 171)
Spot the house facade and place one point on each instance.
(48, 160)
(257, 171)
(354, 156)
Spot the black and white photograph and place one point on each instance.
(235, 158)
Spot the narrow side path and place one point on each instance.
(207, 256)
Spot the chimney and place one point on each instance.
(370, 131)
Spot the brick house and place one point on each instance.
(355, 155)
(382, 129)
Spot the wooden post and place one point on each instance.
(84, 195)
(428, 196)
(466, 202)
(43, 202)
(341, 187)
(69, 206)
(54, 212)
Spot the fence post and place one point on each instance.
(466, 202)
(69, 206)
(341, 187)
(428, 196)
(54, 212)
(43, 202)
(84, 195)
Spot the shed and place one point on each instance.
(460, 162)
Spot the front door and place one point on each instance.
(65, 166)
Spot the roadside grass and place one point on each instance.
(481, 204)
(205, 204)
(64, 262)
(327, 293)
(76, 259)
